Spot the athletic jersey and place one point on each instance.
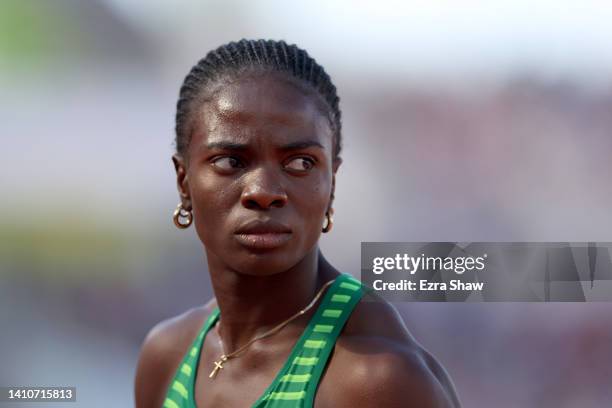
(296, 383)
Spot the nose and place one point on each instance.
(263, 190)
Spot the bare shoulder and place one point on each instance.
(377, 363)
(162, 350)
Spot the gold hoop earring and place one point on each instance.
(181, 213)
(330, 221)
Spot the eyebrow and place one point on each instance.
(242, 147)
(227, 146)
(301, 145)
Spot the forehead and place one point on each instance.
(264, 104)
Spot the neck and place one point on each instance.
(251, 304)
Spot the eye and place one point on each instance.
(227, 163)
(301, 164)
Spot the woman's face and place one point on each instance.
(260, 174)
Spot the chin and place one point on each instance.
(266, 263)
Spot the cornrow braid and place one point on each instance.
(235, 58)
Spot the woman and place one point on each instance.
(258, 144)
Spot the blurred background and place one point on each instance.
(478, 121)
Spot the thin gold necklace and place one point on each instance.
(274, 330)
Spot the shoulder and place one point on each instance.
(385, 373)
(377, 363)
(162, 350)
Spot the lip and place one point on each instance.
(258, 234)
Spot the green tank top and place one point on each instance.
(296, 383)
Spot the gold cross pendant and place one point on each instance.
(218, 366)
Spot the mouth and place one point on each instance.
(259, 234)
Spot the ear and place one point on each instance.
(335, 165)
(182, 181)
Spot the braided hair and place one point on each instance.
(236, 58)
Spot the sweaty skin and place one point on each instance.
(261, 151)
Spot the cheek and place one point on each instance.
(212, 201)
(313, 204)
